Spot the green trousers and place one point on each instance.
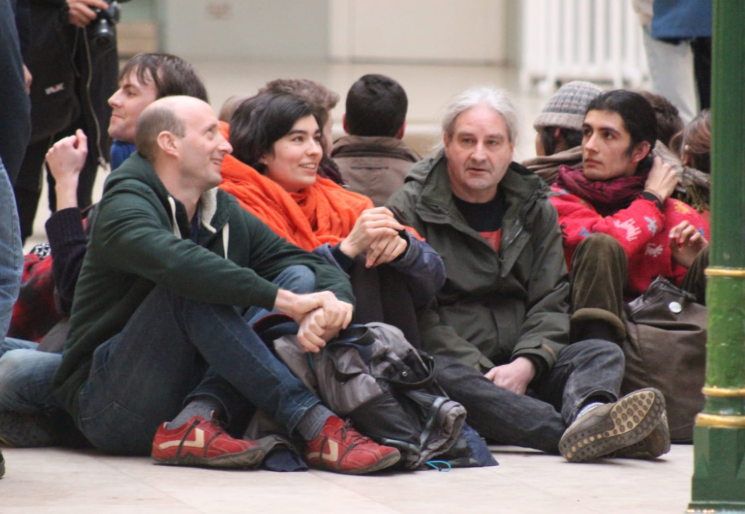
(599, 273)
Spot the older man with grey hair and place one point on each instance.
(500, 325)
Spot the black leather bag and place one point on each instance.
(666, 349)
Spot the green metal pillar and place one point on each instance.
(719, 435)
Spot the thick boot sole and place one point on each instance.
(625, 423)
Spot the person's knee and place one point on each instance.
(298, 279)
(607, 351)
(15, 364)
(598, 247)
(19, 369)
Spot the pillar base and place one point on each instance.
(719, 470)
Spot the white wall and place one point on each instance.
(432, 31)
(441, 31)
(227, 29)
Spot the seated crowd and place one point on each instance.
(142, 330)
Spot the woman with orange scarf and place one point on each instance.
(273, 174)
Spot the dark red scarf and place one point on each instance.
(608, 197)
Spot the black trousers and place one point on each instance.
(585, 371)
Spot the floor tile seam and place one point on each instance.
(322, 474)
(153, 487)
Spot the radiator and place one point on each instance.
(594, 40)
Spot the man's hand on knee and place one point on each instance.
(320, 316)
(514, 376)
(337, 314)
(296, 305)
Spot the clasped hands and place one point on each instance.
(376, 232)
(320, 315)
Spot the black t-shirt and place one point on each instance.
(485, 218)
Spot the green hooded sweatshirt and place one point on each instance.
(141, 237)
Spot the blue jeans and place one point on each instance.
(11, 251)
(589, 370)
(26, 378)
(140, 377)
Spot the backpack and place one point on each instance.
(373, 376)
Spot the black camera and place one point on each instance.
(102, 31)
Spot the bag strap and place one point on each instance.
(428, 363)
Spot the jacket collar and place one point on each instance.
(352, 145)
(522, 190)
(520, 186)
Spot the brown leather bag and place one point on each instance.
(666, 349)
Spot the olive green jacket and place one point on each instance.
(494, 306)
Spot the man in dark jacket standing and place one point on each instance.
(156, 321)
(500, 324)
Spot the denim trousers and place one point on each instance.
(26, 378)
(11, 252)
(584, 371)
(173, 348)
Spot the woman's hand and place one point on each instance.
(373, 225)
(385, 249)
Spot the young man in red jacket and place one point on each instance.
(620, 227)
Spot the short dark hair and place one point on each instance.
(669, 122)
(637, 116)
(152, 122)
(171, 75)
(261, 121)
(376, 106)
(549, 140)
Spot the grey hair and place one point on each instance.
(497, 99)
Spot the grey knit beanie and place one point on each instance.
(566, 108)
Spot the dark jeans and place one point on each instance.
(173, 348)
(587, 370)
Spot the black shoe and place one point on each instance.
(2, 465)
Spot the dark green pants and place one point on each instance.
(599, 272)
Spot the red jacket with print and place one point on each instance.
(641, 229)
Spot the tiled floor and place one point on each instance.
(56, 481)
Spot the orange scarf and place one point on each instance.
(318, 214)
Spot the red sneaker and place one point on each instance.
(203, 443)
(341, 449)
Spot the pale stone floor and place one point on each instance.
(57, 481)
(60, 481)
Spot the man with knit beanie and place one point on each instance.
(558, 128)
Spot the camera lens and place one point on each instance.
(102, 35)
